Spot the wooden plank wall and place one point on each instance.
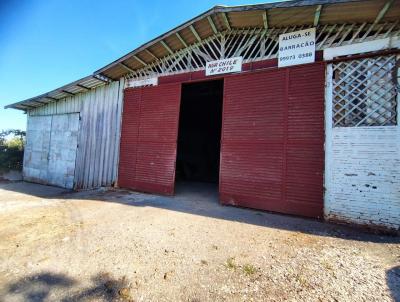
(98, 149)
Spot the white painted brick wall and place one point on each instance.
(363, 176)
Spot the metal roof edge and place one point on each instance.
(281, 4)
(47, 94)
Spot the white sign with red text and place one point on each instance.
(224, 66)
(297, 48)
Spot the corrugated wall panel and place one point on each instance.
(305, 140)
(272, 140)
(129, 138)
(252, 138)
(98, 145)
(148, 139)
(99, 142)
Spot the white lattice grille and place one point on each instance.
(365, 92)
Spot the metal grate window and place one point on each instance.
(365, 92)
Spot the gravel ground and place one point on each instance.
(114, 245)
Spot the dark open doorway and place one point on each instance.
(199, 134)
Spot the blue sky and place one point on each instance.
(45, 44)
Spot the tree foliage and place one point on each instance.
(12, 143)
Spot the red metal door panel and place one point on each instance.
(158, 131)
(156, 139)
(129, 138)
(305, 140)
(272, 140)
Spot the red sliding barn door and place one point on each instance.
(272, 151)
(149, 138)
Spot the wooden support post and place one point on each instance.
(195, 33)
(151, 54)
(226, 21)
(126, 67)
(214, 28)
(383, 11)
(166, 47)
(317, 15)
(265, 19)
(181, 39)
(140, 60)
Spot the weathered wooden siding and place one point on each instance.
(98, 144)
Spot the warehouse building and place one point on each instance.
(289, 107)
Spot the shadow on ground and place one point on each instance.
(393, 282)
(47, 286)
(58, 287)
(202, 199)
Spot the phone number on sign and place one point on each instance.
(299, 56)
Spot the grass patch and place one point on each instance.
(302, 280)
(249, 269)
(230, 263)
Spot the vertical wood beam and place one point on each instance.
(195, 33)
(151, 54)
(226, 21)
(383, 11)
(181, 39)
(166, 47)
(212, 24)
(126, 67)
(317, 15)
(265, 19)
(140, 60)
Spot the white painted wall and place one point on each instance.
(362, 166)
(364, 182)
(50, 152)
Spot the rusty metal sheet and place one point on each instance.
(272, 155)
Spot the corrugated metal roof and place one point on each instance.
(81, 85)
(279, 14)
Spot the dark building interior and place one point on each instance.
(199, 136)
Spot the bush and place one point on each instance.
(11, 149)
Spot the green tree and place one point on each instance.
(12, 143)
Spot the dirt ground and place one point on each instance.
(114, 245)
